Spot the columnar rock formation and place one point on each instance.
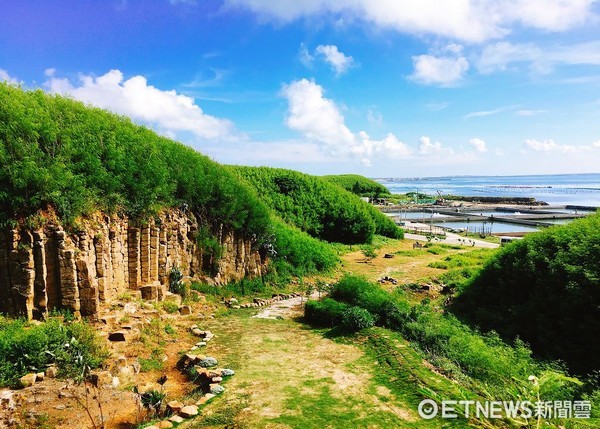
(49, 268)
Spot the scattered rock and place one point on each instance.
(216, 389)
(176, 419)
(189, 411)
(149, 292)
(185, 310)
(227, 372)
(173, 297)
(51, 371)
(388, 256)
(28, 380)
(165, 424)
(64, 394)
(217, 379)
(117, 336)
(207, 362)
(175, 406)
(39, 377)
(151, 427)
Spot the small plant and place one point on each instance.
(153, 401)
(175, 283)
(153, 363)
(170, 307)
(369, 252)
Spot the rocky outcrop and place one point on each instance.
(49, 268)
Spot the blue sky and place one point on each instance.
(382, 88)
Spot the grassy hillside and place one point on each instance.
(316, 206)
(58, 153)
(544, 289)
(359, 185)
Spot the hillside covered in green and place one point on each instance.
(544, 289)
(58, 154)
(359, 185)
(317, 206)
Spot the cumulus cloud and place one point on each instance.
(167, 111)
(5, 77)
(467, 20)
(446, 69)
(550, 146)
(319, 120)
(428, 148)
(479, 145)
(336, 59)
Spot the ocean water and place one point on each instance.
(555, 189)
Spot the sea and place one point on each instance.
(554, 189)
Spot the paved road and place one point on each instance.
(456, 239)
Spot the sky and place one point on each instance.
(383, 88)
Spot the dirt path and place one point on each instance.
(290, 376)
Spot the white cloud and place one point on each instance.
(479, 145)
(500, 56)
(168, 111)
(336, 59)
(444, 70)
(305, 56)
(550, 145)
(436, 149)
(482, 113)
(467, 20)
(319, 120)
(5, 77)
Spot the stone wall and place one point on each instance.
(49, 268)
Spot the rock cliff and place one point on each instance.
(47, 268)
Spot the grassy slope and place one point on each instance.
(358, 185)
(545, 290)
(316, 206)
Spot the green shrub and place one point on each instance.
(545, 290)
(356, 318)
(28, 348)
(318, 207)
(326, 312)
(170, 307)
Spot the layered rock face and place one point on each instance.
(49, 268)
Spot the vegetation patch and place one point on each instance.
(25, 348)
(545, 290)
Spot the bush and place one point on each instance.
(545, 290)
(28, 348)
(324, 313)
(356, 318)
(318, 207)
